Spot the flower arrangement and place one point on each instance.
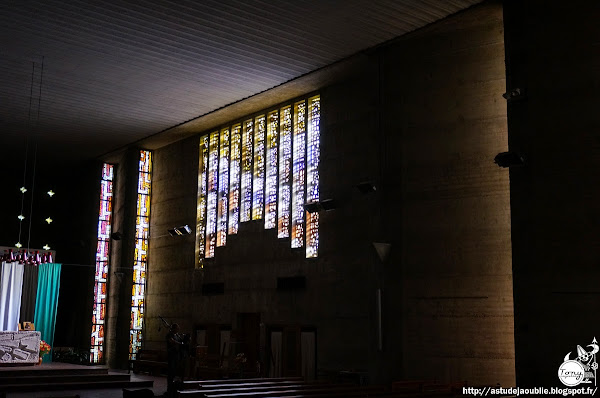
(44, 348)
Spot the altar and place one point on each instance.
(22, 347)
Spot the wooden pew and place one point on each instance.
(197, 384)
(151, 361)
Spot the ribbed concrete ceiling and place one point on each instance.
(114, 72)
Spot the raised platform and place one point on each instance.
(63, 377)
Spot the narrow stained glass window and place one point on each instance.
(258, 201)
(201, 209)
(223, 208)
(246, 193)
(142, 234)
(102, 258)
(312, 177)
(234, 179)
(211, 201)
(299, 173)
(271, 171)
(285, 170)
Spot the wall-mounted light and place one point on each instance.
(323, 205)
(366, 187)
(509, 159)
(178, 231)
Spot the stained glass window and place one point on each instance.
(234, 179)
(201, 209)
(271, 170)
(223, 195)
(285, 170)
(102, 257)
(313, 153)
(246, 193)
(211, 202)
(142, 233)
(266, 167)
(299, 171)
(258, 190)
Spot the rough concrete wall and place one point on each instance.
(552, 56)
(445, 121)
(423, 120)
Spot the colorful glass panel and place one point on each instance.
(271, 170)
(142, 233)
(201, 208)
(211, 202)
(285, 169)
(246, 183)
(312, 174)
(234, 179)
(223, 194)
(258, 201)
(102, 257)
(299, 171)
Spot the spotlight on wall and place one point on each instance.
(509, 159)
(366, 187)
(323, 205)
(514, 95)
(178, 231)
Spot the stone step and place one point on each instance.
(64, 378)
(8, 372)
(81, 385)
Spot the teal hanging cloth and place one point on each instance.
(47, 302)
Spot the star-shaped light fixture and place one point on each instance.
(50, 193)
(21, 217)
(46, 247)
(49, 220)
(19, 245)
(23, 189)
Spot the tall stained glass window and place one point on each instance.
(299, 172)
(234, 179)
(258, 201)
(142, 230)
(246, 194)
(285, 171)
(102, 257)
(201, 209)
(211, 201)
(271, 170)
(266, 167)
(223, 195)
(313, 153)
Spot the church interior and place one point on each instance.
(380, 190)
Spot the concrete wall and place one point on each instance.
(448, 202)
(423, 120)
(552, 56)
